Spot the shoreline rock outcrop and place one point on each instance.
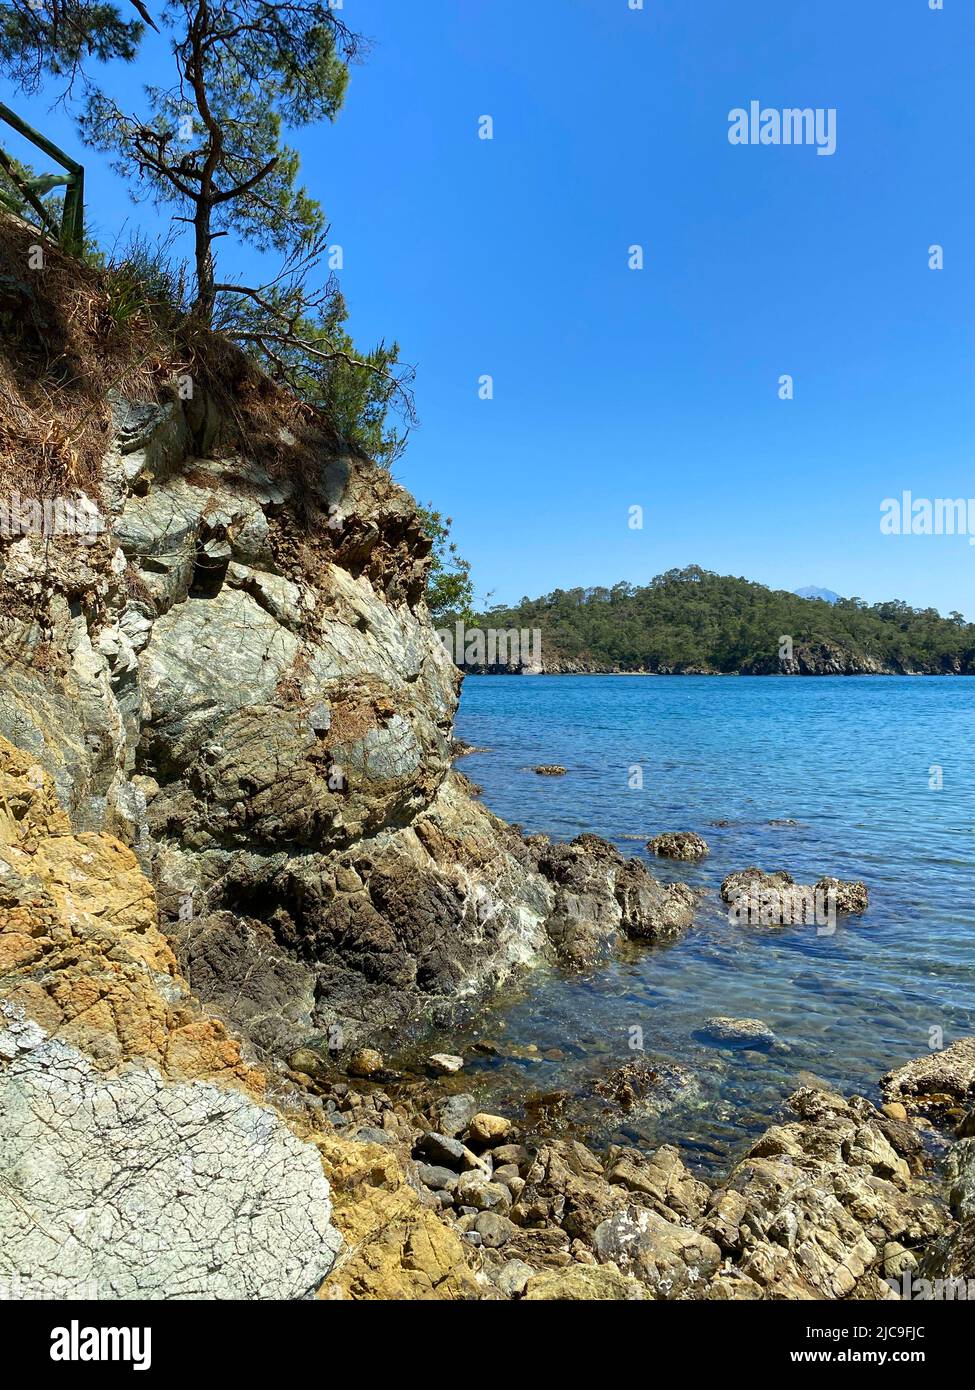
(141, 1154)
(178, 1169)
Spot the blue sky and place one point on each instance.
(659, 388)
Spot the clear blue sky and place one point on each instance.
(660, 387)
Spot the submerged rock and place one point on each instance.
(444, 1064)
(739, 1032)
(308, 1062)
(550, 770)
(646, 1087)
(365, 1062)
(462, 749)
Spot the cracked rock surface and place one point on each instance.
(129, 1186)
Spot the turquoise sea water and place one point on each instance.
(849, 761)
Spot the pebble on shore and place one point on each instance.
(365, 1062)
(444, 1064)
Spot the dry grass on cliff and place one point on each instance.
(69, 337)
(72, 333)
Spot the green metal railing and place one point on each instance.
(70, 232)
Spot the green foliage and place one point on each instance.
(142, 280)
(359, 398)
(363, 394)
(692, 619)
(54, 38)
(210, 144)
(450, 592)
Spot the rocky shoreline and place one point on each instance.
(181, 1156)
(234, 853)
(836, 1202)
(824, 660)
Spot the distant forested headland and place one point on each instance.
(690, 621)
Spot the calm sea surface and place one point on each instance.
(849, 761)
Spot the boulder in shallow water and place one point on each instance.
(852, 897)
(739, 1032)
(647, 1086)
(600, 895)
(679, 844)
(775, 899)
(365, 1062)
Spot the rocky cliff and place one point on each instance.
(237, 678)
(229, 666)
(239, 681)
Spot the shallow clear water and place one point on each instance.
(849, 761)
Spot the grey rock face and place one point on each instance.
(126, 1186)
(599, 894)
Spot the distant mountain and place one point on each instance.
(810, 591)
(690, 621)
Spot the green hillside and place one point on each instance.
(692, 620)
